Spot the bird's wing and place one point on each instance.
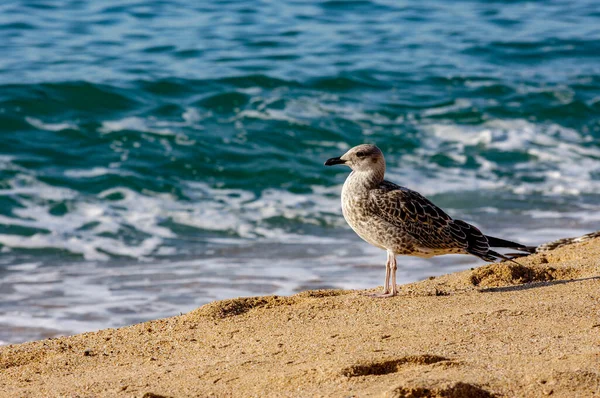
(429, 225)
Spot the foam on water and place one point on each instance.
(94, 172)
(93, 226)
(49, 126)
(564, 163)
(132, 123)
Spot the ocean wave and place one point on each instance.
(554, 160)
(255, 172)
(122, 222)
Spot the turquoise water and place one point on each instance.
(157, 155)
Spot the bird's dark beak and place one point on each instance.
(334, 161)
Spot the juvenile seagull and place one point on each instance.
(403, 222)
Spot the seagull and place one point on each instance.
(404, 222)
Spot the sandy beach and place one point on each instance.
(498, 330)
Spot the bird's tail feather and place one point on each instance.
(516, 255)
(497, 242)
(492, 256)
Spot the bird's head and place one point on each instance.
(365, 157)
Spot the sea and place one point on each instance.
(157, 155)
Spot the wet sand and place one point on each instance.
(498, 330)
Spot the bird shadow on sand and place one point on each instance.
(534, 285)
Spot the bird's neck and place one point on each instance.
(360, 180)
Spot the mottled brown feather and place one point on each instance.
(427, 224)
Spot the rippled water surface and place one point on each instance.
(157, 155)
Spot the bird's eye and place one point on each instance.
(361, 154)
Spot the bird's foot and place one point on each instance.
(382, 295)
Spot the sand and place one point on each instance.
(498, 330)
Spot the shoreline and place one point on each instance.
(497, 330)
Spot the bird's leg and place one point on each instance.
(386, 287)
(393, 268)
(390, 269)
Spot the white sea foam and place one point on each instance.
(268, 114)
(26, 184)
(193, 117)
(342, 146)
(133, 123)
(94, 172)
(564, 160)
(459, 104)
(303, 111)
(24, 266)
(92, 226)
(6, 161)
(458, 134)
(38, 124)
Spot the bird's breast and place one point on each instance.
(360, 215)
(357, 214)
